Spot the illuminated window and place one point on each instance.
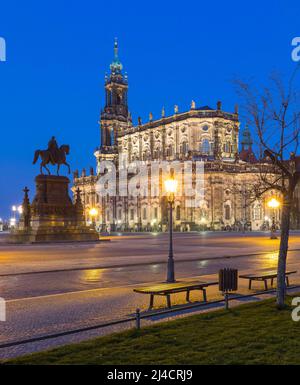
(257, 212)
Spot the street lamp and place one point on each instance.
(273, 204)
(171, 187)
(14, 209)
(203, 223)
(93, 213)
(12, 222)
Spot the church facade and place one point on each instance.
(201, 134)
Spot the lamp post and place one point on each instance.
(93, 213)
(203, 223)
(171, 187)
(14, 209)
(273, 204)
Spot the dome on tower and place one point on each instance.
(116, 66)
(247, 154)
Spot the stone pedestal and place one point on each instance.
(53, 215)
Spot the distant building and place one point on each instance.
(201, 133)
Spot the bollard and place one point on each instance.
(138, 319)
(226, 301)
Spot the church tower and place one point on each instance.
(246, 141)
(115, 116)
(247, 154)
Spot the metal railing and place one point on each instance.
(137, 318)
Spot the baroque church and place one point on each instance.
(204, 133)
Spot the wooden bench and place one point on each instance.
(166, 289)
(264, 276)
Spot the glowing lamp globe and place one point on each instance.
(273, 203)
(93, 212)
(171, 186)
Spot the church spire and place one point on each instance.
(247, 154)
(246, 138)
(115, 116)
(116, 66)
(116, 49)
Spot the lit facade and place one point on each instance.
(201, 133)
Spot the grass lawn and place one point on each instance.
(255, 333)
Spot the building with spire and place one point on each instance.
(115, 117)
(247, 154)
(200, 133)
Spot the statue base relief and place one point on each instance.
(53, 215)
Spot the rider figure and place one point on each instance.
(52, 148)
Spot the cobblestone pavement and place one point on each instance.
(42, 303)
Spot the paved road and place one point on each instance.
(131, 250)
(42, 300)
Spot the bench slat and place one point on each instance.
(173, 287)
(266, 274)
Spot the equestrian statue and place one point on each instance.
(53, 155)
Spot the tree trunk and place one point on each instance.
(283, 249)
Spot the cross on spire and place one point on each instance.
(116, 48)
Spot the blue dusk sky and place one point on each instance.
(174, 51)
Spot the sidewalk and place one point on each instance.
(57, 313)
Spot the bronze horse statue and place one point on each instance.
(53, 157)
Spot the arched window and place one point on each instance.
(257, 212)
(205, 146)
(144, 213)
(112, 138)
(156, 153)
(184, 147)
(131, 214)
(227, 147)
(169, 151)
(227, 212)
(178, 213)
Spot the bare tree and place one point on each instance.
(274, 115)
